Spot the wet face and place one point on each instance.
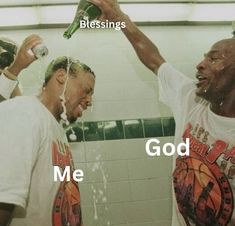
(216, 72)
(79, 94)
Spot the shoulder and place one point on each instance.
(21, 103)
(174, 82)
(24, 117)
(25, 108)
(167, 70)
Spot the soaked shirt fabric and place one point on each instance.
(204, 181)
(32, 142)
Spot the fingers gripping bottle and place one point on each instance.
(40, 50)
(85, 11)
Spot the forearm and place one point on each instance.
(147, 52)
(5, 213)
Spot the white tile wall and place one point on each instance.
(124, 87)
(130, 188)
(136, 189)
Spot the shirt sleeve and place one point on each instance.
(172, 86)
(7, 86)
(19, 146)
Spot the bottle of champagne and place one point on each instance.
(40, 50)
(85, 11)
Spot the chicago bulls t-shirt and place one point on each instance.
(204, 181)
(32, 142)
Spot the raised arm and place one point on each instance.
(147, 52)
(23, 58)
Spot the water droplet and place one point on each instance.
(104, 199)
(95, 208)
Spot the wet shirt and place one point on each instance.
(204, 181)
(32, 142)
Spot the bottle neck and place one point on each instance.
(75, 24)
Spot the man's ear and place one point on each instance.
(60, 76)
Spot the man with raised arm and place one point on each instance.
(204, 111)
(12, 62)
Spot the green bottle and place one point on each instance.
(85, 11)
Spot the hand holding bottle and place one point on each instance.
(24, 56)
(110, 10)
(85, 11)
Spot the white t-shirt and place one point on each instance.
(7, 86)
(204, 182)
(31, 143)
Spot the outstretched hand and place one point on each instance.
(110, 10)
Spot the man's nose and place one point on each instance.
(201, 65)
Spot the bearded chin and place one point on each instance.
(204, 93)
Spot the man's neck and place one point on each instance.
(51, 103)
(225, 108)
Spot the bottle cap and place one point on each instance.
(40, 50)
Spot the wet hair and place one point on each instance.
(68, 64)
